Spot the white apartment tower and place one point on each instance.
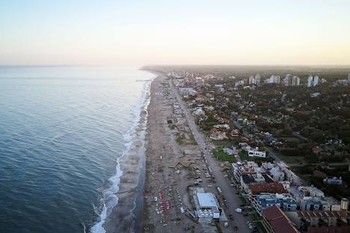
(258, 79)
(251, 80)
(287, 80)
(315, 82)
(277, 79)
(295, 81)
(309, 81)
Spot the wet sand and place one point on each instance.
(126, 216)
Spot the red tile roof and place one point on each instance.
(258, 188)
(317, 150)
(278, 221)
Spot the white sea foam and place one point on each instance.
(110, 199)
(97, 228)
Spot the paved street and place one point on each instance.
(221, 181)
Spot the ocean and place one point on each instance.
(69, 139)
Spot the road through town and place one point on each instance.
(233, 200)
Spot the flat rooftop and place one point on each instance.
(207, 200)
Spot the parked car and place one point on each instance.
(238, 210)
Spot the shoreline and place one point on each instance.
(150, 135)
(146, 181)
(126, 215)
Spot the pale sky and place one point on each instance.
(141, 32)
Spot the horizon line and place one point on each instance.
(177, 65)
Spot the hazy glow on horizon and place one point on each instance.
(135, 32)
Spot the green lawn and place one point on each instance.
(287, 159)
(244, 156)
(291, 159)
(222, 143)
(218, 153)
(291, 139)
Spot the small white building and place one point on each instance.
(230, 150)
(256, 153)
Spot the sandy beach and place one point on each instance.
(172, 155)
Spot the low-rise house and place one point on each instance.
(234, 133)
(198, 111)
(230, 150)
(217, 135)
(317, 150)
(187, 91)
(209, 108)
(244, 146)
(222, 126)
(199, 81)
(269, 137)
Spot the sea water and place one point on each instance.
(65, 135)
